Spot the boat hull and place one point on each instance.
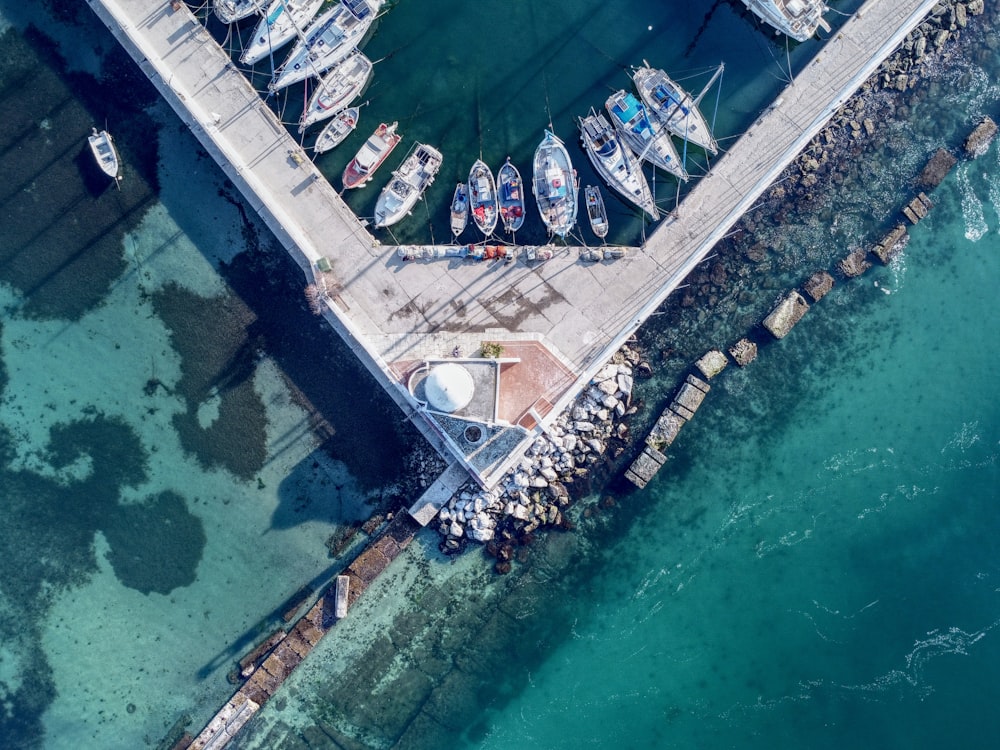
(337, 130)
(338, 88)
(674, 107)
(596, 212)
(459, 209)
(408, 184)
(231, 11)
(483, 203)
(798, 19)
(553, 183)
(615, 163)
(370, 157)
(510, 192)
(102, 146)
(645, 135)
(281, 22)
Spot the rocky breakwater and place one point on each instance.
(536, 493)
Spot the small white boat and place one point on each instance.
(645, 135)
(459, 209)
(327, 41)
(105, 153)
(283, 20)
(337, 89)
(341, 126)
(510, 191)
(614, 162)
(370, 156)
(230, 11)
(553, 181)
(798, 19)
(596, 211)
(483, 203)
(408, 183)
(674, 107)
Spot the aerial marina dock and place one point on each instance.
(557, 318)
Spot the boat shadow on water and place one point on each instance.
(95, 182)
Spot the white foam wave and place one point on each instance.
(972, 208)
(966, 437)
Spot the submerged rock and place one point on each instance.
(786, 314)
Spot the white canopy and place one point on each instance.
(449, 387)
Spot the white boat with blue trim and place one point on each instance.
(615, 162)
(329, 39)
(645, 135)
(281, 23)
(674, 106)
(553, 181)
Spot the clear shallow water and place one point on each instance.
(832, 509)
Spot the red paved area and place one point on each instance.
(538, 380)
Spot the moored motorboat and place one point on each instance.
(798, 19)
(230, 11)
(483, 203)
(102, 146)
(337, 89)
(327, 41)
(614, 162)
(553, 181)
(459, 209)
(510, 192)
(279, 25)
(646, 136)
(408, 183)
(370, 156)
(341, 126)
(596, 211)
(674, 107)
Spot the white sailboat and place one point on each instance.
(340, 86)
(675, 107)
(283, 20)
(329, 39)
(615, 162)
(646, 136)
(798, 19)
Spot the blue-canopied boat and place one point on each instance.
(674, 107)
(646, 136)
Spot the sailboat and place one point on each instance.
(798, 19)
(327, 41)
(230, 11)
(337, 89)
(614, 162)
(646, 136)
(105, 154)
(280, 24)
(675, 107)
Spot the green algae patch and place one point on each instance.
(156, 545)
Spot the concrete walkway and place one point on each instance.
(388, 309)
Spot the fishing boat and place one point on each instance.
(614, 162)
(341, 126)
(327, 41)
(370, 156)
(408, 183)
(646, 136)
(596, 211)
(337, 89)
(798, 19)
(279, 25)
(230, 11)
(675, 107)
(483, 204)
(553, 181)
(459, 209)
(510, 191)
(105, 153)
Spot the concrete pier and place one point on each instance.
(581, 313)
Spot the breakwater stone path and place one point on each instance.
(389, 310)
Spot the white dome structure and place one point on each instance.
(449, 387)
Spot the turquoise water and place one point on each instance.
(816, 566)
